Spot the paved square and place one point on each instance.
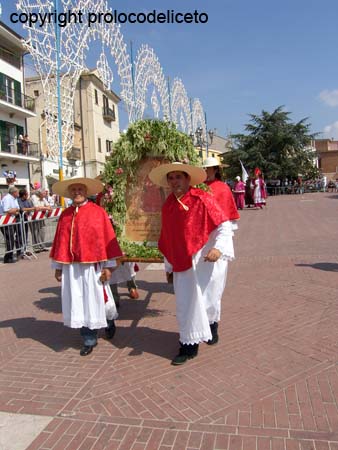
(270, 383)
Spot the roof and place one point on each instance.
(11, 39)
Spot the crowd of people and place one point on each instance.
(20, 204)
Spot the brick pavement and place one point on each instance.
(270, 383)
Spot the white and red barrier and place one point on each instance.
(37, 215)
(55, 212)
(7, 219)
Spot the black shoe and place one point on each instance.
(86, 350)
(187, 351)
(110, 330)
(213, 329)
(9, 261)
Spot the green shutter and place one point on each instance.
(17, 93)
(2, 86)
(2, 135)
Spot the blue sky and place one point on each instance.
(250, 56)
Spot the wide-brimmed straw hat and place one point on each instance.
(93, 186)
(159, 174)
(211, 162)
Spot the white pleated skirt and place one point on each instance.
(83, 302)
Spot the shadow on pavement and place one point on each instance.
(146, 340)
(49, 333)
(142, 339)
(50, 304)
(328, 267)
(138, 338)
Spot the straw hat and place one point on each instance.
(93, 186)
(158, 175)
(211, 162)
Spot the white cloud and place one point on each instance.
(329, 97)
(331, 131)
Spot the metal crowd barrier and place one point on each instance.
(23, 235)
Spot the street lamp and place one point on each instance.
(199, 139)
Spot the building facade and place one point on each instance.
(327, 151)
(96, 127)
(217, 145)
(18, 151)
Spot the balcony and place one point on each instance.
(10, 147)
(74, 154)
(14, 102)
(108, 114)
(10, 58)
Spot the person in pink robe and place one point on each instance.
(239, 193)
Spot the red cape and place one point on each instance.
(223, 195)
(183, 232)
(86, 236)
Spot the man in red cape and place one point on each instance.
(220, 190)
(84, 255)
(196, 241)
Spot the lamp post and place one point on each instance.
(201, 141)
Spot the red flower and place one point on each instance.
(119, 171)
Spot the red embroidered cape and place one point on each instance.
(223, 195)
(86, 236)
(183, 232)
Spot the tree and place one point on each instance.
(279, 147)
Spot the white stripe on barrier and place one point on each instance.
(7, 219)
(56, 212)
(37, 215)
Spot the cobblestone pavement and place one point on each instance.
(270, 383)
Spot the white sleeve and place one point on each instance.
(110, 263)
(6, 203)
(223, 240)
(167, 266)
(35, 201)
(56, 265)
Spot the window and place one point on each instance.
(96, 97)
(99, 145)
(36, 93)
(109, 146)
(10, 90)
(105, 102)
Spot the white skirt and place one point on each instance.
(123, 273)
(83, 302)
(199, 290)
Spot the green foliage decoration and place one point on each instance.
(144, 138)
(143, 250)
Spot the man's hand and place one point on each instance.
(213, 255)
(58, 274)
(106, 274)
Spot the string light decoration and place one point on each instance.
(198, 116)
(155, 104)
(105, 72)
(74, 44)
(180, 104)
(148, 71)
(74, 41)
